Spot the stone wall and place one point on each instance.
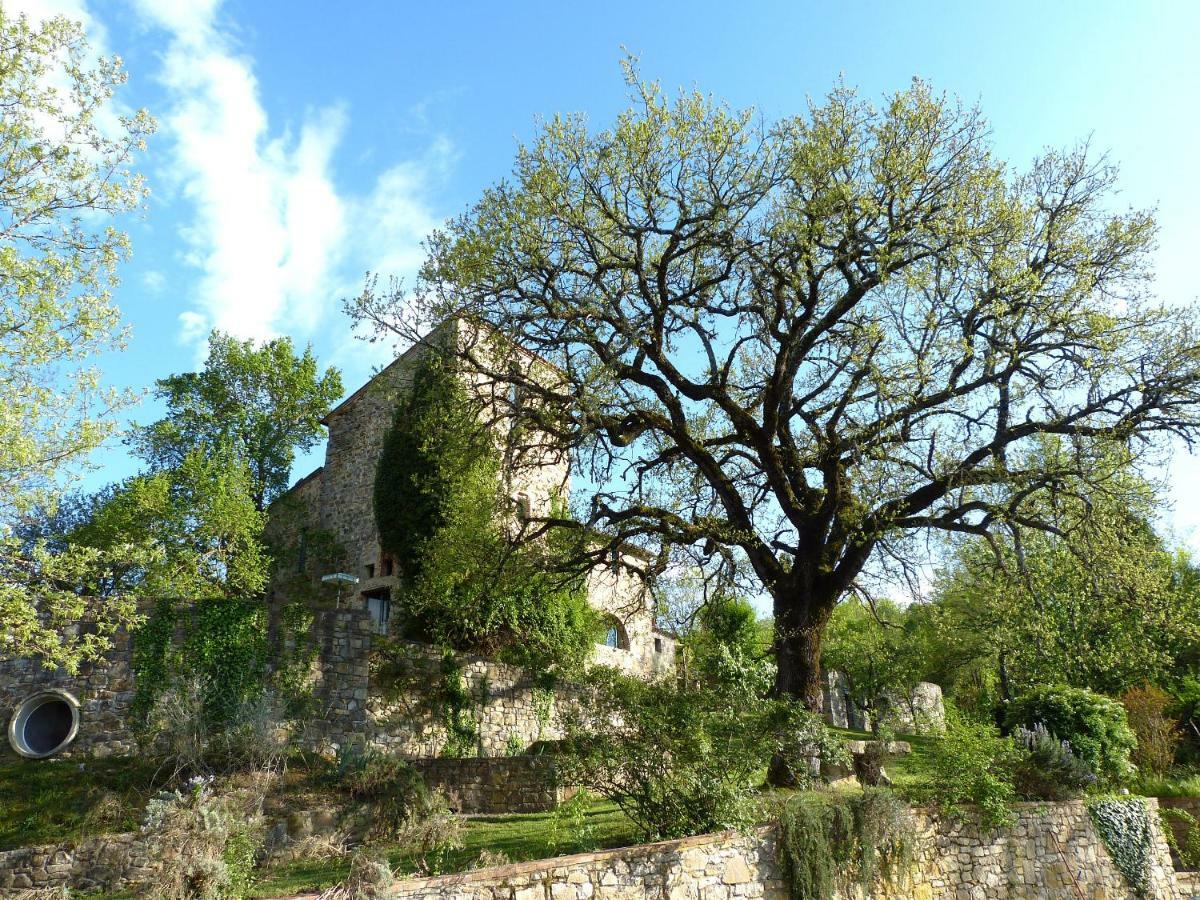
(1051, 852)
(507, 784)
(407, 715)
(107, 863)
(104, 690)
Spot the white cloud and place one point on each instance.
(271, 234)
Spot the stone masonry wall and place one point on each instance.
(1051, 852)
(104, 690)
(407, 716)
(507, 784)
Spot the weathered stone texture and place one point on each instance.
(506, 784)
(103, 688)
(1051, 852)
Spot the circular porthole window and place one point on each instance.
(44, 724)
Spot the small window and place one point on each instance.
(387, 566)
(615, 636)
(521, 502)
(302, 552)
(658, 645)
(370, 570)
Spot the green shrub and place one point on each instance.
(392, 792)
(1094, 726)
(1158, 734)
(831, 843)
(680, 760)
(1188, 850)
(972, 764)
(1047, 769)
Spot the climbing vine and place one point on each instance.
(1124, 825)
(224, 647)
(830, 843)
(458, 710)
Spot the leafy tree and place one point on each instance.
(469, 582)
(794, 348)
(264, 402)
(1099, 602)
(63, 172)
(198, 522)
(878, 650)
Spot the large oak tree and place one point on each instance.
(795, 346)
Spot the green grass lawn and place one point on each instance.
(518, 837)
(48, 801)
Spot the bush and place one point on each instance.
(837, 844)
(207, 841)
(1158, 734)
(1048, 770)
(1188, 849)
(1094, 726)
(681, 761)
(396, 804)
(971, 764)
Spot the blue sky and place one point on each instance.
(304, 143)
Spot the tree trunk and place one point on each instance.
(800, 618)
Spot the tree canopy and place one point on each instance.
(265, 402)
(794, 347)
(64, 176)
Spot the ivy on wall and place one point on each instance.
(223, 645)
(1125, 827)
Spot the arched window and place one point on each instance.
(615, 636)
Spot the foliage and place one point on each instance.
(878, 650)
(1048, 768)
(682, 760)
(1095, 726)
(972, 764)
(725, 644)
(466, 584)
(1158, 735)
(1124, 825)
(265, 402)
(458, 711)
(832, 844)
(397, 805)
(224, 651)
(213, 838)
(1102, 604)
(1189, 850)
(571, 827)
(199, 520)
(790, 348)
(64, 174)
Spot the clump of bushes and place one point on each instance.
(684, 760)
(1048, 768)
(396, 804)
(1095, 727)
(972, 764)
(833, 844)
(1158, 735)
(207, 840)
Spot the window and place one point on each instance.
(379, 605)
(658, 645)
(615, 636)
(302, 551)
(521, 502)
(387, 566)
(370, 567)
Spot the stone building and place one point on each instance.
(337, 502)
